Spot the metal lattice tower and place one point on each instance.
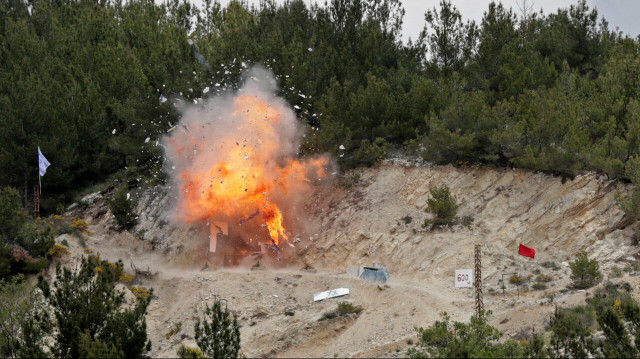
(478, 281)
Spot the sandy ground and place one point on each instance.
(362, 225)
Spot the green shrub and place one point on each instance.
(12, 215)
(585, 272)
(539, 286)
(544, 278)
(36, 238)
(345, 308)
(122, 210)
(466, 220)
(189, 353)
(442, 205)
(367, 154)
(517, 279)
(87, 301)
(477, 339)
(551, 264)
(218, 333)
(350, 179)
(407, 219)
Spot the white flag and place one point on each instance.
(42, 163)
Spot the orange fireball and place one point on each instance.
(236, 160)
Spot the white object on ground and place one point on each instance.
(339, 292)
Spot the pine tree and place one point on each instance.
(91, 317)
(217, 335)
(585, 272)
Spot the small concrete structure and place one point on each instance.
(376, 273)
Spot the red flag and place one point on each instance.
(526, 251)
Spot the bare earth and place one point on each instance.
(362, 225)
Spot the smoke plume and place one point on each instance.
(233, 160)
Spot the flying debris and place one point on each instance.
(243, 169)
(198, 55)
(162, 99)
(245, 220)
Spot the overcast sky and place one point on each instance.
(621, 14)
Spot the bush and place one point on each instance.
(477, 339)
(189, 353)
(217, 335)
(80, 225)
(37, 238)
(544, 278)
(58, 251)
(122, 209)
(86, 302)
(367, 154)
(345, 308)
(442, 205)
(407, 219)
(585, 272)
(539, 286)
(12, 215)
(551, 264)
(16, 301)
(516, 279)
(351, 179)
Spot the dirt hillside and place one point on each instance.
(377, 219)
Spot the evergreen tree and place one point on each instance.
(585, 272)
(91, 317)
(442, 205)
(218, 334)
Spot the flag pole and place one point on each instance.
(39, 183)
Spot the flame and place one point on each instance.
(240, 165)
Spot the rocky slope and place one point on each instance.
(378, 219)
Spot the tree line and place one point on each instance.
(82, 79)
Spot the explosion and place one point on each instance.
(234, 161)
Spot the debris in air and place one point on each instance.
(245, 220)
(341, 147)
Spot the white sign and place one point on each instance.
(331, 294)
(464, 278)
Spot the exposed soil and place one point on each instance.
(362, 225)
